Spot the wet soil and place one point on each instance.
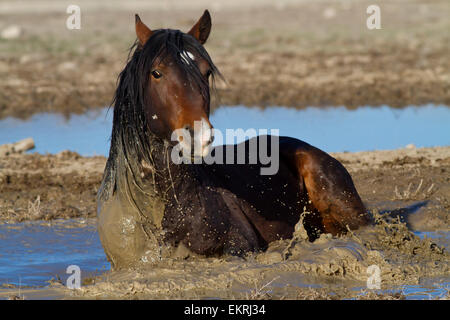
(64, 185)
(407, 189)
(35, 187)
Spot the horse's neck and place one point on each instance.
(155, 178)
(160, 173)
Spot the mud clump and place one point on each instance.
(402, 257)
(17, 147)
(36, 187)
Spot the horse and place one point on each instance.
(149, 205)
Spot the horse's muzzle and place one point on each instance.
(196, 142)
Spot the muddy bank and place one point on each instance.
(375, 77)
(328, 268)
(417, 179)
(296, 54)
(35, 187)
(64, 185)
(407, 189)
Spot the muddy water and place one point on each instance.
(33, 253)
(331, 129)
(414, 264)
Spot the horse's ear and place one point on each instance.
(142, 31)
(201, 29)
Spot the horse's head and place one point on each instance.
(174, 85)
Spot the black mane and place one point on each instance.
(131, 137)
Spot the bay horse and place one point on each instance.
(148, 206)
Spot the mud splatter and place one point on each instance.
(403, 258)
(326, 269)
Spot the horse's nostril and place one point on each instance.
(189, 129)
(211, 139)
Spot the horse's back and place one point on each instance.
(307, 178)
(271, 202)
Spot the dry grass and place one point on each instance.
(420, 193)
(34, 208)
(261, 292)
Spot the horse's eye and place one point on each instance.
(208, 73)
(156, 74)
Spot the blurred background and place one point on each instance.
(290, 53)
(286, 52)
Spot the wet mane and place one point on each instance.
(131, 138)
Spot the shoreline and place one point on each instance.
(64, 185)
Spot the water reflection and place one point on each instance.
(331, 129)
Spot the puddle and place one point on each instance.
(434, 288)
(428, 289)
(331, 129)
(32, 253)
(441, 238)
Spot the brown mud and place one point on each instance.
(407, 189)
(294, 53)
(285, 268)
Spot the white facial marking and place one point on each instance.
(186, 54)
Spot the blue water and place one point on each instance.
(331, 129)
(433, 288)
(31, 253)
